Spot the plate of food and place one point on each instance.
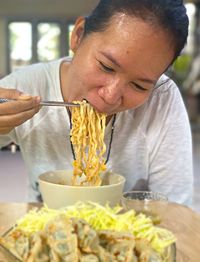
(85, 232)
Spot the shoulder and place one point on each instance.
(33, 79)
(33, 71)
(166, 101)
(165, 85)
(165, 95)
(164, 106)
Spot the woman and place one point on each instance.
(120, 54)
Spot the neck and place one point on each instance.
(108, 118)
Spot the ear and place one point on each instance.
(77, 33)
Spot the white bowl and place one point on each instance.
(57, 192)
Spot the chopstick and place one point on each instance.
(44, 103)
(57, 103)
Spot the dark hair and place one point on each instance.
(169, 14)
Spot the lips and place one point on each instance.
(102, 108)
(99, 104)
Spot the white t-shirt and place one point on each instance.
(151, 145)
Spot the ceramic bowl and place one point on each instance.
(57, 192)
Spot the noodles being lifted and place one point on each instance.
(87, 137)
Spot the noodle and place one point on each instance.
(87, 138)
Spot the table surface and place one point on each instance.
(181, 220)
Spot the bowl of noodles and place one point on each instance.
(57, 190)
(90, 180)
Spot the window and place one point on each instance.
(37, 41)
(20, 44)
(48, 44)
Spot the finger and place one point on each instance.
(24, 97)
(11, 121)
(9, 93)
(15, 107)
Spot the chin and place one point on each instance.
(99, 109)
(107, 112)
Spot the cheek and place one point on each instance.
(133, 99)
(92, 78)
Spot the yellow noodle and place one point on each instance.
(87, 137)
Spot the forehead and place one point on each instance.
(137, 43)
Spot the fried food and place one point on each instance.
(88, 232)
(71, 239)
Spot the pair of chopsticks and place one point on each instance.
(44, 103)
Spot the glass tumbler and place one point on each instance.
(150, 203)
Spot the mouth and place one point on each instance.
(103, 109)
(84, 99)
(100, 105)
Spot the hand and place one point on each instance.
(15, 113)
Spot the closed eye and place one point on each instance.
(139, 87)
(106, 68)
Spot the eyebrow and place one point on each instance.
(112, 59)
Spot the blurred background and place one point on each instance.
(34, 31)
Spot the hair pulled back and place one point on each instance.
(167, 14)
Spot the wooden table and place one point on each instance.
(182, 221)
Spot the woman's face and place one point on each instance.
(116, 69)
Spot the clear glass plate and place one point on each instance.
(10, 257)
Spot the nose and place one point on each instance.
(111, 93)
